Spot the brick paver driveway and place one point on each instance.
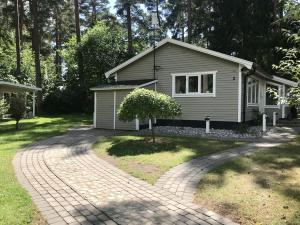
(71, 185)
(183, 179)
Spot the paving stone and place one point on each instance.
(62, 175)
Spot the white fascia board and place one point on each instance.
(149, 83)
(243, 62)
(124, 87)
(114, 88)
(285, 81)
(20, 86)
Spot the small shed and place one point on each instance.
(10, 89)
(108, 98)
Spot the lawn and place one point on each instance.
(16, 207)
(261, 189)
(141, 158)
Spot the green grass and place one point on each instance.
(16, 207)
(260, 189)
(141, 158)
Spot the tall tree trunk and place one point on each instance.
(94, 13)
(21, 20)
(189, 20)
(77, 20)
(129, 29)
(58, 43)
(78, 39)
(36, 48)
(18, 48)
(157, 13)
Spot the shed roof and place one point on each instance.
(126, 84)
(261, 73)
(243, 62)
(19, 86)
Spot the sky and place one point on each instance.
(111, 5)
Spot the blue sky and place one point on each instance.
(111, 5)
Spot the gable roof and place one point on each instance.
(243, 62)
(19, 86)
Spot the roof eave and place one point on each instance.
(243, 62)
(127, 87)
(285, 81)
(22, 86)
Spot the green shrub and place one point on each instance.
(17, 109)
(148, 104)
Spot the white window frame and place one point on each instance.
(193, 94)
(279, 94)
(258, 94)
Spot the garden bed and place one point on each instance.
(249, 133)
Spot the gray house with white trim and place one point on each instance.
(204, 82)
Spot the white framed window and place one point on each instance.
(252, 92)
(272, 95)
(198, 84)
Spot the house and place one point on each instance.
(10, 89)
(204, 82)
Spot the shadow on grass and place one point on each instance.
(37, 128)
(132, 146)
(218, 178)
(270, 169)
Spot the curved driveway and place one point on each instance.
(71, 185)
(184, 179)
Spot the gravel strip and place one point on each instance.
(252, 133)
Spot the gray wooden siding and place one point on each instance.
(175, 59)
(120, 95)
(104, 111)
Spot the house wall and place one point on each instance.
(262, 108)
(175, 59)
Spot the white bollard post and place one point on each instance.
(264, 123)
(150, 124)
(274, 119)
(207, 125)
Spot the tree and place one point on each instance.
(36, 39)
(93, 11)
(124, 9)
(147, 104)
(189, 20)
(289, 65)
(17, 35)
(17, 109)
(3, 107)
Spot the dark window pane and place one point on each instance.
(249, 94)
(193, 84)
(256, 93)
(180, 87)
(253, 93)
(207, 83)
